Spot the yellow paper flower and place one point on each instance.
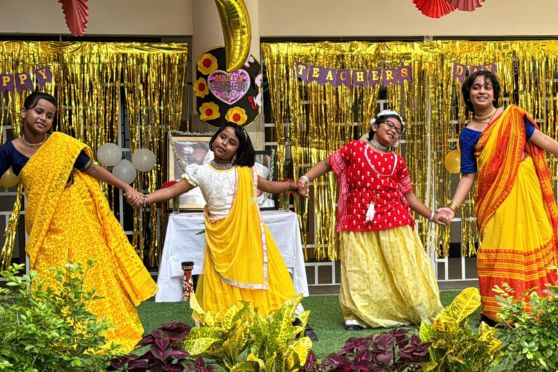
(209, 111)
(236, 115)
(207, 63)
(201, 88)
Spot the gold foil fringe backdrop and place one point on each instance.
(89, 79)
(313, 120)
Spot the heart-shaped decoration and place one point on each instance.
(229, 87)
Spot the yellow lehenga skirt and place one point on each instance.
(517, 242)
(216, 294)
(242, 261)
(386, 278)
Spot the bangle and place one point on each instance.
(453, 206)
(431, 216)
(304, 179)
(287, 186)
(146, 201)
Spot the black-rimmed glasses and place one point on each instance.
(393, 127)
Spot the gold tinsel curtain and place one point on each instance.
(312, 120)
(89, 80)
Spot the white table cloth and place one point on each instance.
(184, 242)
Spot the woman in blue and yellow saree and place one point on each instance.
(517, 217)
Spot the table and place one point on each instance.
(183, 242)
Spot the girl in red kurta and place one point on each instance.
(386, 276)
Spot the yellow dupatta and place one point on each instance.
(45, 177)
(238, 241)
(499, 153)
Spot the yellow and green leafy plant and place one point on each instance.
(455, 344)
(239, 338)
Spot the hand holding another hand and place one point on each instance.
(443, 216)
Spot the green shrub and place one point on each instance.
(456, 345)
(530, 330)
(42, 329)
(240, 339)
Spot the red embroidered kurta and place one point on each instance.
(365, 175)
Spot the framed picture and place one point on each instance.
(186, 152)
(266, 166)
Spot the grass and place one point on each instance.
(325, 318)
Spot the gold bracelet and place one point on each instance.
(453, 206)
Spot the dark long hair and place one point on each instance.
(245, 154)
(32, 99)
(468, 83)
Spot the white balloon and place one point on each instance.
(125, 171)
(143, 160)
(109, 154)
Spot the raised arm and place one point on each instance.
(447, 213)
(165, 194)
(316, 171)
(545, 142)
(418, 206)
(274, 187)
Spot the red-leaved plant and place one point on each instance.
(388, 351)
(165, 352)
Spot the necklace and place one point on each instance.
(380, 173)
(378, 145)
(485, 117)
(220, 166)
(33, 144)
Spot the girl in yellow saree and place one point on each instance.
(242, 262)
(516, 211)
(68, 219)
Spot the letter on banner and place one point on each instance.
(301, 72)
(44, 75)
(6, 83)
(405, 74)
(374, 76)
(389, 76)
(23, 81)
(459, 72)
(360, 78)
(490, 67)
(345, 77)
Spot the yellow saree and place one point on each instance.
(242, 262)
(74, 224)
(516, 211)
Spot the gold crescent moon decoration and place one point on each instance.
(236, 32)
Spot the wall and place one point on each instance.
(106, 17)
(373, 18)
(291, 18)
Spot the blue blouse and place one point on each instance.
(469, 138)
(9, 156)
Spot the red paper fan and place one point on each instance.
(76, 14)
(434, 8)
(466, 5)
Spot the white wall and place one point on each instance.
(291, 18)
(106, 17)
(372, 18)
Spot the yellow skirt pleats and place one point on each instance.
(214, 294)
(386, 278)
(76, 235)
(517, 246)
